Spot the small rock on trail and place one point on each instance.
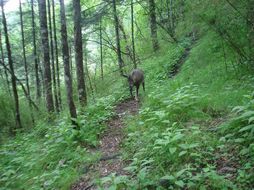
(110, 141)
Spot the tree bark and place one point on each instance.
(251, 30)
(153, 25)
(66, 59)
(101, 49)
(79, 53)
(2, 59)
(118, 46)
(46, 57)
(57, 60)
(13, 80)
(23, 47)
(52, 58)
(125, 38)
(36, 66)
(87, 71)
(24, 58)
(171, 17)
(132, 36)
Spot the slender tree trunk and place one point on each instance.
(57, 60)
(46, 57)
(128, 49)
(52, 58)
(2, 59)
(171, 17)
(250, 24)
(119, 56)
(101, 50)
(36, 66)
(71, 66)
(153, 25)
(13, 80)
(40, 67)
(66, 59)
(87, 71)
(132, 35)
(79, 53)
(24, 58)
(23, 47)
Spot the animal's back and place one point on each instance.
(137, 76)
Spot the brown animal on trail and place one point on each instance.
(135, 78)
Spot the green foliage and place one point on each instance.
(7, 114)
(53, 156)
(240, 134)
(182, 137)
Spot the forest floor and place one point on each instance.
(110, 161)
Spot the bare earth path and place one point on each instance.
(110, 161)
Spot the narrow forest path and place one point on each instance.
(110, 161)
(175, 68)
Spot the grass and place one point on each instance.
(53, 156)
(184, 134)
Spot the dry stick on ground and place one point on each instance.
(22, 86)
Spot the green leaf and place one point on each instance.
(246, 128)
(180, 183)
(182, 153)
(172, 150)
(177, 137)
(178, 174)
(251, 119)
(246, 115)
(244, 151)
(168, 177)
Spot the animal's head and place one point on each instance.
(130, 80)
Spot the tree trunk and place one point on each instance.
(132, 36)
(153, 25)
(66, 59)
(13, 80)
(128, 49)
(87, 71)
(46, 58)
(24, 59)
(118, 46)
(57, 60)
(2, 59)
(79, 53)
(101, 50)
(36, 66)
(171, 17)
(71, 66)
(251, 30)
(23, 47)
(52, 58)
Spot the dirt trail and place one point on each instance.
(110, 162)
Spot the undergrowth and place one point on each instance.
(53, 156)
(186, 135)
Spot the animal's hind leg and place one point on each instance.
(143, 84)
(136, 97)
(131, 92)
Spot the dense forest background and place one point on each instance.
(61, 76)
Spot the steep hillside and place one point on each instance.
(186, 135)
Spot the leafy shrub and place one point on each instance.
(240, 134)
(53, 156)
